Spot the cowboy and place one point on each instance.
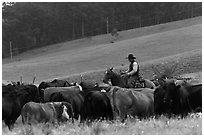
(133, 73)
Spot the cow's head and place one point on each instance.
(30, 93)
(62, 111)
(160, 106)
(171, 95)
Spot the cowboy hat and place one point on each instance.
(130, 56)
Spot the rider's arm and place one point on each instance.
(135, 67)
(125, 71)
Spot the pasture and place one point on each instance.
(162, 45)
(97, 53)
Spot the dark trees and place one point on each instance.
(32, 24)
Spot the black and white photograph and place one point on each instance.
(101, 68)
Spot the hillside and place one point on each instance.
(98, 53)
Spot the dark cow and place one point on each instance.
(161, 106)
(182, 98)
(46, 112)
(54, 83)
(96, 106)
(73, 95)
(13, 99)
(195, 96)
(32, 89)
(134, 102)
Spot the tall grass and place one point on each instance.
(191, 125)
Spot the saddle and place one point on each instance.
(136, 82)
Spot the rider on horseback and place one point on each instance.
(132, 74)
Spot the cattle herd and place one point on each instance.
(59, 101)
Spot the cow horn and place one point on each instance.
(81, 89)
(21, 79)
(81, 77)
(33, 79)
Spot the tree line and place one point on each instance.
(28, 25)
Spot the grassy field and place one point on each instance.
(191, 125)
(97, 53)
(162, 45)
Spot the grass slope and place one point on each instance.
(85, 55)
(188, 62)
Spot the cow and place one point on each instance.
(160, 107)
(54, 83)
(134, 102)
(96, 106)
(46, 112)
(182, 98)
(50, 90)
(13, 99)
(28, 87)
(72, 95)
(88, 86)
(195, 97)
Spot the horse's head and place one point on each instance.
(115, 78)
(108, 75)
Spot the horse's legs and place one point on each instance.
(144, 84)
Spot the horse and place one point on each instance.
(118, 80)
